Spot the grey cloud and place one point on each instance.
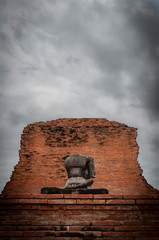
(124, 52)
(146, 20)
(120, 37)
(16, 118)
(151, 98)
(4, 42)
(4, 72)
(155, 144)
(112, 35)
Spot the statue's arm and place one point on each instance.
(91, 167)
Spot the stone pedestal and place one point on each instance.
(54, 190)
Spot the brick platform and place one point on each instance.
(79, 217)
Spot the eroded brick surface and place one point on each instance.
(112, 145)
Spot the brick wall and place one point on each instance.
(112, 145)
(70, 216)
(130, 211)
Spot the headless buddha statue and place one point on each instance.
(80, 170)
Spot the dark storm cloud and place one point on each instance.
(120, 37)
(145, 19)
(155, 144)
(152, 97)
(134, 49)
(135, 45)
(4, 41)
(3, 71)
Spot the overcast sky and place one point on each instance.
(79, 58)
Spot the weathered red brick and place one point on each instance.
(26, 238)
(90, 201)
(47, 222)
(120, 201)
(54, 217)
(84, 217)
(37, 233)
(70, 201)
(78, 196)
(7, 228)
(133, 222)
(108, 222)
(9, 201)
(25, 217)
(146, 234)
(118, 234)
(18, 195)
(129, 228)
(51, 207)
(11, 233)
(148, 201)
(80, 207)
(137, 196)
(32, 201)
(56, 201)
(71, 222)
(107, 196)
(117, 207)
(112, 217)
(16, 222)
(48, 196)
(59, 238)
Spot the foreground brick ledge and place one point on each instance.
(81, 201)
(77, 196)
(75, 216)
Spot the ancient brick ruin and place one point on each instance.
(112, 145)
(129, 211)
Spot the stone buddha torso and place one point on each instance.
(80, 170)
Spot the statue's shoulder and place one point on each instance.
(77, 160)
